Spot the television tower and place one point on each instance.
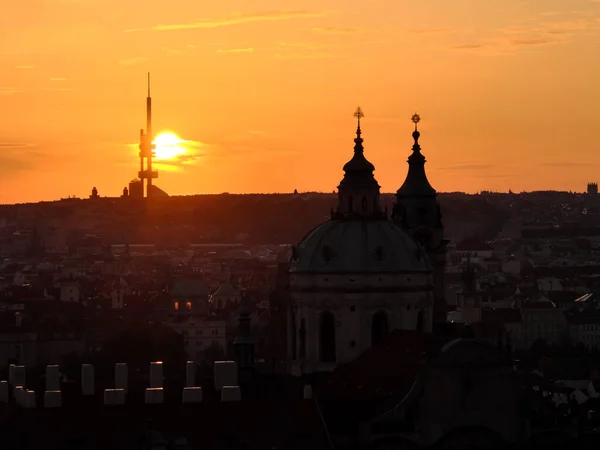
(147, 148)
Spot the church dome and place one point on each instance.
(358, 246)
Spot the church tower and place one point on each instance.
(358, 192)
(418, 212)
(355, 277)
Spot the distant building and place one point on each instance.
(200, 334)
(592, 188)
(225, 296)
(155, 191)
(188, 295)
(136, 189)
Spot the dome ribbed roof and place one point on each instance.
(358, 246)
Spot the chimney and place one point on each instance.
(231, 394)
(29, 399)
(225, 374)
(18, 394)
(121, 376)
(155, 395)
(52, 399)
(113, 397)
(192, 394)
(4, 391)
(190, 374)
(52, 378)
(156, 374)
(87, 379)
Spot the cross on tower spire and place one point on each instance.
(359, 115)
(416, 119)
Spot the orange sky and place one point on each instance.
(508, 92)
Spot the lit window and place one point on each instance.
(188, 306)
(176, 305)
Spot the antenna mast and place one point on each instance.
(147, 148)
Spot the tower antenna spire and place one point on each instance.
(149, 112)
(147, 148)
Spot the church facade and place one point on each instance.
(360, 275)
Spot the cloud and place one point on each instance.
(179, 51)
(244, 146)
(59, 89)
(560, 164)
(429, 30)
(336, 30)
(14, 145)
(20, 156)
(304, 50)
(190, 153)
(262, 134)
(133, 61)
(25, 66)
(492, 175)
(9, 90)
(236, 50)
(465, 167)
(58, 79)
(316, 55)
(303, 45)
(547, 28)
(467, 47)
(533, 41)
(236, 19)
(195, 152)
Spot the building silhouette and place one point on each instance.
(418, 212)
(357, 276)
(143, 186)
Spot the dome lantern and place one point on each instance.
(358, 192)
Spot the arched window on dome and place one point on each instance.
(379, 327)
(302, 336)
(327, 338)
(365, 205)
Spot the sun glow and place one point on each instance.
(168, 146)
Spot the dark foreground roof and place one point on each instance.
(247, 424)
(388, 369)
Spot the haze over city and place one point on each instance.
(260, 99)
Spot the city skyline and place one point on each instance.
(260, 99)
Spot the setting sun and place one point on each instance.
(168, 146)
